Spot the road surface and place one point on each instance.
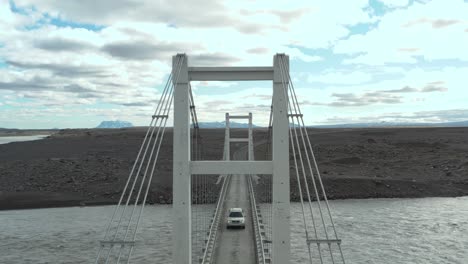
(236, 245)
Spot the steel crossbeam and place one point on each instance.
(230, 73)
(231, 167)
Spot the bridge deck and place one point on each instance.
(236, 245)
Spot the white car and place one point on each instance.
(236, 218)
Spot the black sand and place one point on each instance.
(89, 167)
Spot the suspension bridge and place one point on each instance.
(251, 174)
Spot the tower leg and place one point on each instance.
(281, 214)
(181, 202)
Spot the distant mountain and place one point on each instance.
(352, 125)
(396, 124)
(457, 124)
(9, 129)
(223, 125)
(114, 124)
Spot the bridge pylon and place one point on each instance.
(184, 167)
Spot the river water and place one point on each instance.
(8, 139)
(383, 231)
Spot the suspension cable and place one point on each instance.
(293, 144)
(168, 107)
(145, 143)
(307, 147)
(295, 114)
(316, 168)
(157, 142)
(149, 181)
(163, 95)
(159, 119)
(283, 74)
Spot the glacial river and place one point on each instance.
(381, 231)
(8, 139)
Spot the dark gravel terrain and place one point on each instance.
(88, 167)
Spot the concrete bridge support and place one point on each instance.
(184, 167)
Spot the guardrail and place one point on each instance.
(256, 223)
(211, 240)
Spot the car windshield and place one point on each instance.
(235, 214)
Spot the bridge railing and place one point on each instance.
(211, 238)
(256, 225)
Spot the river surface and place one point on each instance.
(383, 231)
(8, 139)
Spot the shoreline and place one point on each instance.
(69, 204)
(37, 200)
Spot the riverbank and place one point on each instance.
(90, 166)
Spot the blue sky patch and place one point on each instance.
(377, 8)
(57, 21)
(329, 60)
(47, 19)
(20, 10)
(360, 29)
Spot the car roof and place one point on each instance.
(235, 210)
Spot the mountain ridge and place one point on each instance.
(114, 124)
(394, 124)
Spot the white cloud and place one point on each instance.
(336, 77)
(415, 90)
(120, 66)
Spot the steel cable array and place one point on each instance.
(215, 205)
(198, 184)
(119, 239)
(310, 176)
(262, 192)
(207, 197)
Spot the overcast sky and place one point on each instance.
(76, 63)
